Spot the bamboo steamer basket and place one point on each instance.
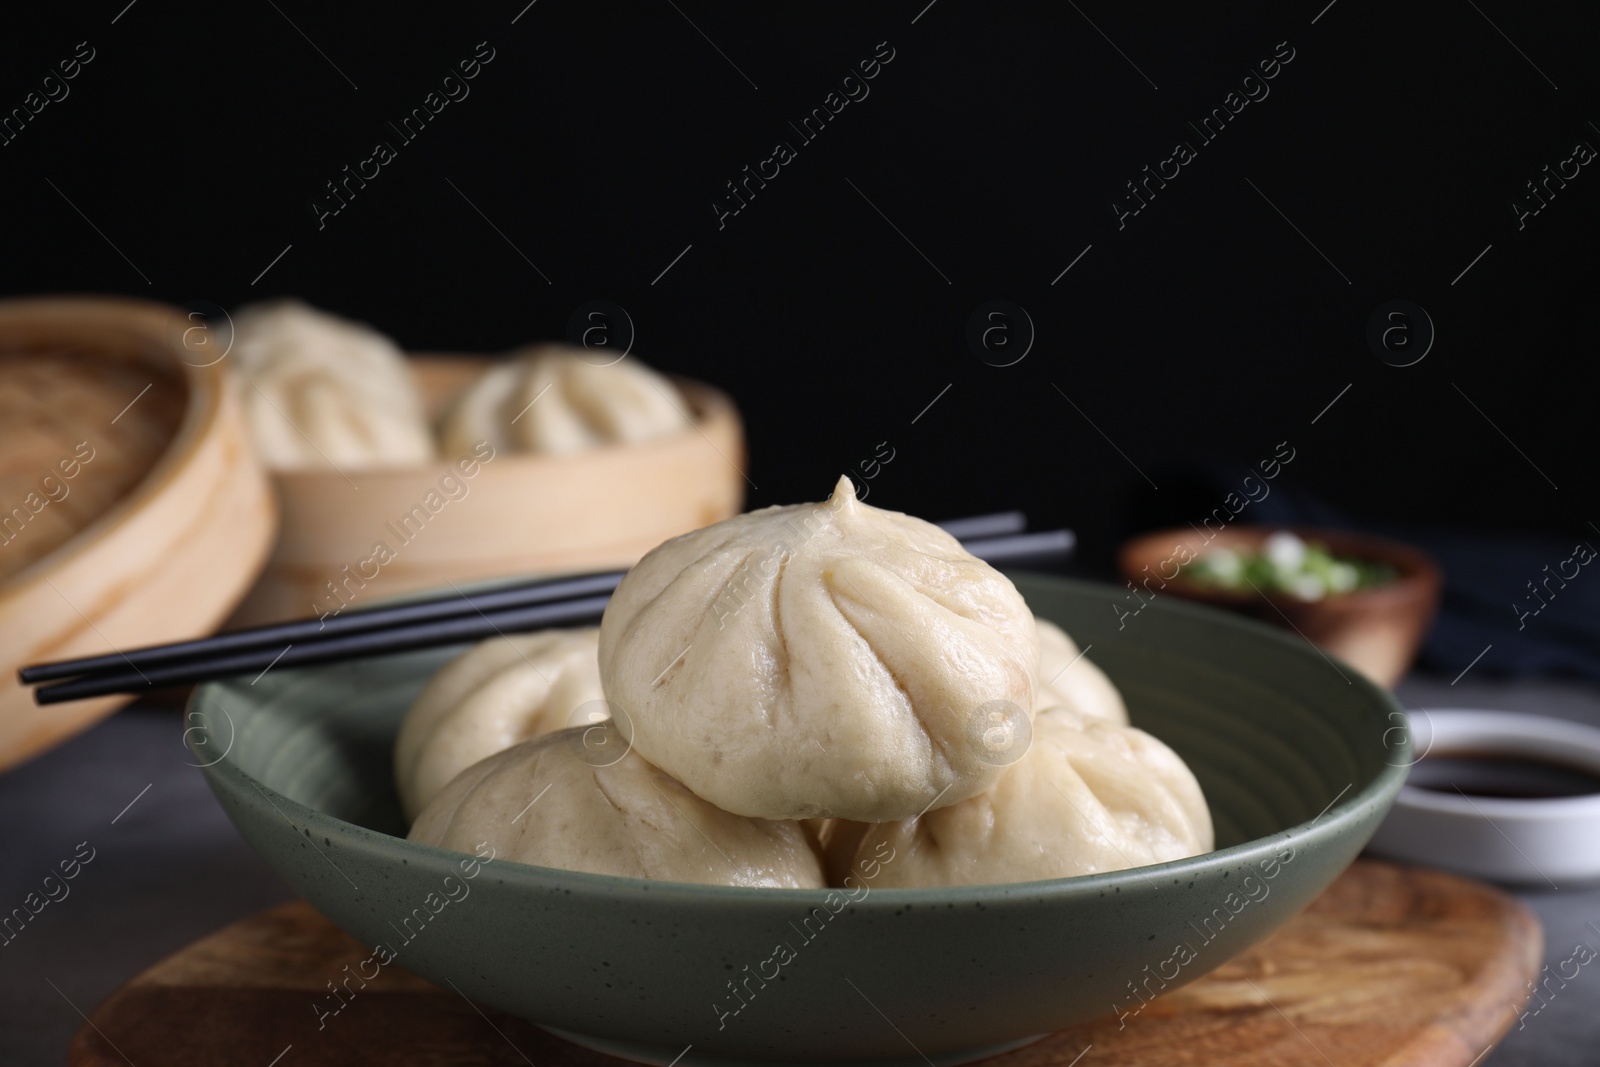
(155, 538)
(351, 537)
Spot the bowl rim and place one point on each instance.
(1515, 733)
(146, 320)
(1347, 808)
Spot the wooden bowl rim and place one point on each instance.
(1419, 577)
(144, 320)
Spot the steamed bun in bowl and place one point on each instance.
(494, 695)
(821, 660)
(551, 399)
(1067, 677)
(1089, 796)
(319, 390)
(579, 800)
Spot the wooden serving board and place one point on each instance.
(1392, 965)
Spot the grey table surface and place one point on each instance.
(168, 868)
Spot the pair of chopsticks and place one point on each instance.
(418, 624)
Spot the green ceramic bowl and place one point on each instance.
(1299, 757)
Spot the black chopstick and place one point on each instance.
(407, 638)
(402, 628)
(1048, 544)
(349, 623)
(997, 525)
(522, 594)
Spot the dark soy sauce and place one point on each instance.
(1488, 774)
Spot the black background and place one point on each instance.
(1206, 330)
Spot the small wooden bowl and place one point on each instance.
(343, 542)
(1377, 630)
(156, 537)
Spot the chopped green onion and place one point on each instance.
(1286, 564)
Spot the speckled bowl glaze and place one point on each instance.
(1299, 765)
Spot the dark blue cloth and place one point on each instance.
(1487, 600)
